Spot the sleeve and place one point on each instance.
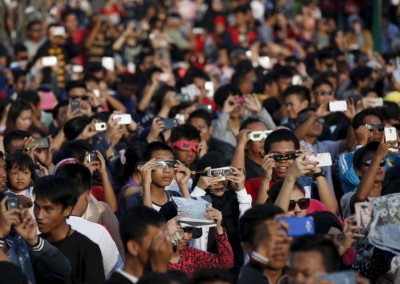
(220, 126)
(109, 252)
(266, 118)
(244, 200)
(347, 174)
(50, 262)
(94, 270)
(345, 204)
(135, 199)
(197, 191)
(224, 258)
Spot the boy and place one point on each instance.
(53, 204)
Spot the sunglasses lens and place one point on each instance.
(304, 203)
(214, 173)
(227, 172)
(292, 205)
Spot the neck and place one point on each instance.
(273, 274)
(59, 233)
(255, 157)
(310, 140)
(133, 267)
(234, 121)
(376, 190)
(157, 192)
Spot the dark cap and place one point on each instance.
(371, 146)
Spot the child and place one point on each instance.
(20, 174)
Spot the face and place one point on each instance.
(201, 125)
(376, 134)
(281, 168)
(218, 189)
(15, 145)
(328, 64)
(187, 236)
(82, 203)
(284, 83)
(127, 90)
(316, 129)
(294, 105)
(323, 94)
(71, 23)
(368, 156)
(21, 84)
(78, 94)
(49, 216)
(336, 236)
(255, 148)
(297, 211)
(19, 179)
(305, 266)
(3, 174)
(162, 177)
(24, 120)
(186, 156)
(35, 32)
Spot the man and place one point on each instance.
(201, 119)
(112, 255)
(35, 37)
(53, 204)
(147, 245)
(77, 91)
(296, 98)
(267, 244)
(361, 79)
(3, 172)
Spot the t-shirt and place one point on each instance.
(253, 170)
(85, 258)
(136, 199)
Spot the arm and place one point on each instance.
(148, 94)
(120, 41)
(145, 172)
(109, 194)
(267, 165)
(302, 129)
(244, 200)
(237, 180)
(242, 138)
(115, 104)
(182, 176)
(325, 193)
(350, 141)
(93, 34)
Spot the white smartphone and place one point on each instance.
(49, 61)
(391, 135)
(180, 117)
(101, 126)
(108, 63)
(296, 80)
(124, 118)
(96, 92)
(58, 31)
(363, 212)
(372, 102)
(77, 68)
(338, 106)
(323, 159)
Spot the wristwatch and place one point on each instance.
(320, 174)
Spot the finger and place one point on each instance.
(3, 207)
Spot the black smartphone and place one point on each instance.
(12, 203)
(74, 105)
(92, 157)
(169, 122)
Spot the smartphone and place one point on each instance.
(180, 117)
(338, 106)
(92, 157)
(101, 126)
(169, 123)
(183, 97)
(323, 159)
(239, 100)
(209, 86)
(42, 143)
(77, 68)
(12, 203)
(363, 212)
(108, 63)
(372, 102)
(49, 61)
(391, 135)
(164, 77)
(74, 105)
(205, 107)
(58, 31)
(125, 118)
(299, 226)
(96, 92)
(296, 80)
(342, 277)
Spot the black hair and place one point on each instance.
(276, 189)
(56, 110)
(30, 96)
(76, 149)
(327, 249)
(326, 53)
(249, 121)
(160, 278)
(132, 155)
(358, 119)
(19, 47)
(300, 91)
(328, 74)
(278, 136)
(253, 217)
(15, 111)
(128, 79)
(223, 92)
(283, 72)
(202, 114)
(210, 275)
(75, 126)
(32, 23)
(12, 136)
(75, 84)
(185, 131)
(307, 109)
(360, 74)
(57, 189)
(319, 82)
(155, 146)
(195, 72)
(390, 110)
(66, 13)
(2, 155)
(21, 161)
(135, 221)
(79, 173)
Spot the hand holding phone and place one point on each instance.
(338, 106)
(323, 159)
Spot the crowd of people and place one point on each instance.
(280, 115)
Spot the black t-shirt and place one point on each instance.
(85, 258)
(253, 170)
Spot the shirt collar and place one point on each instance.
(130, 277)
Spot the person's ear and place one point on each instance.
(87, 196)
(358, 172)
(68, 211)
(133, 247)
(211, 129)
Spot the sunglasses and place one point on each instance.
(373, 127)
(325, 93)
(289, 156)
(225, 171)
(186, 145)
(303, 203)
(368, 163)
(166, 164)
(259, 135)
(84, 98)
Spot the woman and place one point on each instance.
(19, 117)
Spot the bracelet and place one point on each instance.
(259, 259)
(2, 243)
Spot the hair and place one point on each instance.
(79, 173)
(75, 84)
(278, 136)
(2, 155)
(185, 131)
(12, 136)
(248, 121)
(253, 217)
(75, 126)
(56, 110)
(300, 91)
(276, 189)
(76, 149)
(283, 72)
(57, 189)
(322, 245)
(358, 119)
(30, 96)
(210, 275)
(128, 79)
(202, 114)
(65, 14)
(135, 221)
(223, 92)
(161, 278)
(32, 23)
(319, 82)
(326, 53)
(390, 110)
(21, 161)
(15, 111)
(360, 74)
(19, 47)
(133, 155)
(155, 146)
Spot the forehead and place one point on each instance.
(162, 154)
(324, 87)
(46, 202)
(292, 98)
(368, 156)
(372, 119)
(77, 90)
(282, 147)
(257, 126)
(197, 121)
(310, 261)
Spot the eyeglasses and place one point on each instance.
(225, 171)
(259, 135)
(166, 164)
(325, 93)
(84, 98)
(288, 156)
(303, 203)
(368, 163)
(186, 145)
(373, 127)
(321, 120)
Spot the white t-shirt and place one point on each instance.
(99, 235)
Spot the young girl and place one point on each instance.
(20, 174)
